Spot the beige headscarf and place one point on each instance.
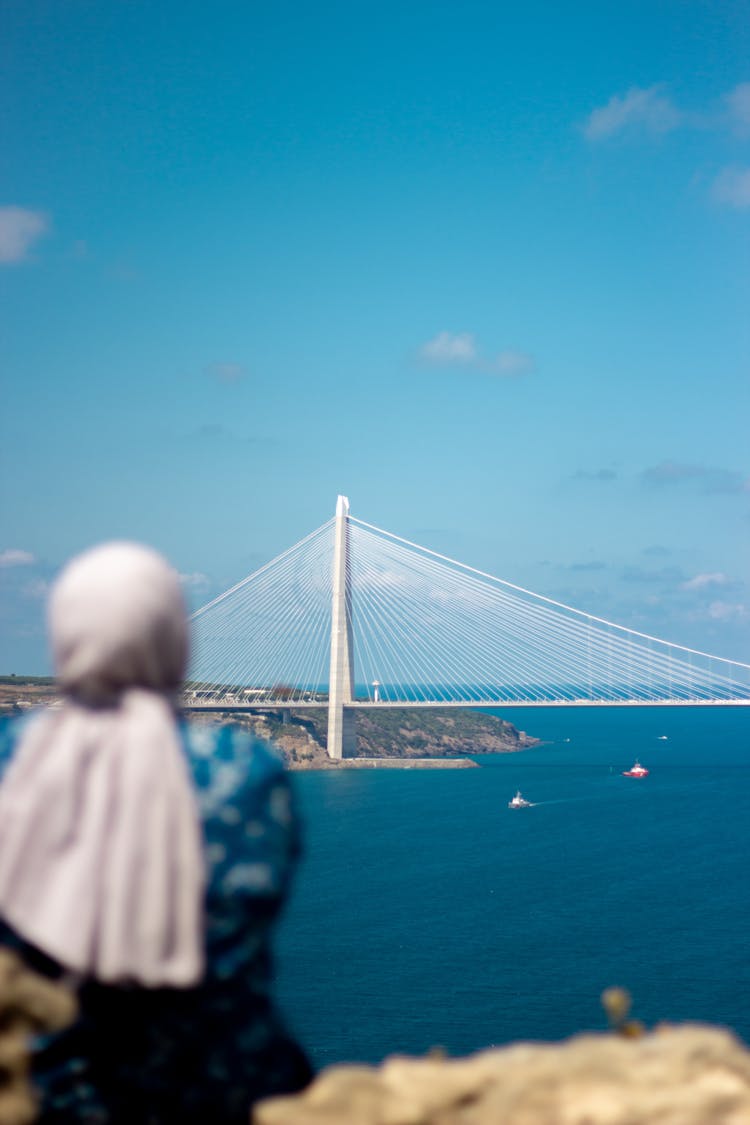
(101, 858)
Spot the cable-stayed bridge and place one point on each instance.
(352, 616)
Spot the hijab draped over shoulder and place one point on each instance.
(101, 856)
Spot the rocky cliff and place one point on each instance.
(686, 1075)
(390, 733)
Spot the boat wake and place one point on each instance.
(566, 800)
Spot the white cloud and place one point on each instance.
(226, 372)
(665, 575)
(510, 363)
(651, 110)
(595, 474)
(710, 479)
(449, 348)
(36, 589)
(460, 350)
(195, 581)
(738, 101)
(214, 431)
(12, 556)
(701, 581)
(732, 187)
(727, 611)
(646, 109)
(19, 228)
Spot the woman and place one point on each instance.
(144, 861)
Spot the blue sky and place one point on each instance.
(482, 267)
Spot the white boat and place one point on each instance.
(519, 802)
(636, 771)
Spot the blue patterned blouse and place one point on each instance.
(204, 1054)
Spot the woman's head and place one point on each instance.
(117, 620)
(97, 810)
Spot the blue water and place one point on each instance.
(428, 913)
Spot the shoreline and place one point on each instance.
(384, 763)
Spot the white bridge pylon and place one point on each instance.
(371, 619)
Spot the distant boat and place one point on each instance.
(636, 771)
(663, 737)
(519, 802)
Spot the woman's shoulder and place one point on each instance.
(249, 816)
(228, 760)
(220, 745)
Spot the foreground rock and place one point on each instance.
(686, 1075)
(29, 1004)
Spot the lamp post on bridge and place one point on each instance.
(341, 719)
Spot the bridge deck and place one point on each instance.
(364, 705)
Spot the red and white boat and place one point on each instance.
(636, 771)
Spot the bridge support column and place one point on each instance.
(341, 720)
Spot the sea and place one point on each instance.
(426, 913)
